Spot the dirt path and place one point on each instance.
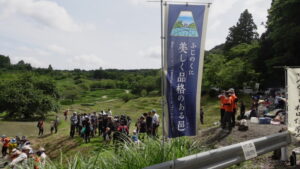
(221, 138)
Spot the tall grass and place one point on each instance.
(130, 156)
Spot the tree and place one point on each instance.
(4, 61)
(21, 65)
(228, 72)
(27, 97)
(50, 68)
(71, 94)
(243, 32)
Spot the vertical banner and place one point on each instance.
(184, 27)
(293, 83)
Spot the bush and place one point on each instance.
(154, 93)
(144, 93)
(84, 86)
(126, 97)
(104, 84)
(78, 81)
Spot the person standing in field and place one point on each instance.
(201, 115)
(149, 123)
(222, 106)
(242, 110)
(142, 128)
(86, 129)
(155, 123)
(234, 99)
(66, 114)
(40, 126)
(228, 111)
(55, 124)
(74, 123)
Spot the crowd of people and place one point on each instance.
(111, 127)
(261, 105)
(271, 106)
(18, 153)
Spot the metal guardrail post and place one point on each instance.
(226, 156)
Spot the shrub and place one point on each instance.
(144, 93)
(126, 97)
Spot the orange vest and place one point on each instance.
(6, 142)
(228, 104)
(234, 97)
(222, 97)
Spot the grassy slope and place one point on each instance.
(104, 99)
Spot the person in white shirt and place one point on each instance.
(155, 122)
(109, 113)
(21, 160)
(43, 157)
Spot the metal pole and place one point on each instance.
(284, 152)
(162, 74)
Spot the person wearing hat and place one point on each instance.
(12, 145)
(14, 154)
(21, 160)
(42, 157)
(5, 141)
(135, 138)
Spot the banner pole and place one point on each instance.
(286, 95)
(162, 72)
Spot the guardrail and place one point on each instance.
(229, 155)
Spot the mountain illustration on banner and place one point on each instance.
(185, 25)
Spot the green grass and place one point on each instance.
(131, 156)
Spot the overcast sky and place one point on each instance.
(89, 34)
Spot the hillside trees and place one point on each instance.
(28, 97)
(280, 43)
(228, 72)
(231, 64)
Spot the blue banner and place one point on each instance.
(184, 36)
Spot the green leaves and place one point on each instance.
(243, 32)
(231, 70)
(28, 97)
